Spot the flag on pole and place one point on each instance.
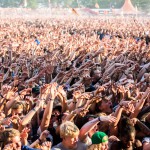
(74, 11)
(96, 5)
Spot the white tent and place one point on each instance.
(128, 8)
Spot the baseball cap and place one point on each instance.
(99, 137)
(36, 90)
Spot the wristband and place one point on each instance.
(93, 94)
(51, 99)
(99, 118)
(19, 93)
(40, 141)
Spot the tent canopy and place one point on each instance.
(128, 8)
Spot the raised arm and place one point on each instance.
(140, 104)
(31, 113)
(63, 97)
(91, 124)
(48, 111)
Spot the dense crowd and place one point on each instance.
(75, 84)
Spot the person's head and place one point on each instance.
(69, 133)
(18, 108)
(35, 91)
(99, 141)
(57, 110)
(55, 114)
(127, 136)
(81, 121)
(97, 73)
(11, 136)
(104, 106)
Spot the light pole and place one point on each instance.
(25, 3)
(49, 6)
(49, 3)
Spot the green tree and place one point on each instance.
(32, 4)
(141, 4)
(10, 3)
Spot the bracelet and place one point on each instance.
(93, 93)
(43, 99)
(40, 141)
(19, 93)
(99, 118)
(51, 99)
(73, 113)
(34, 109)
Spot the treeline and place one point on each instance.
(141, 4)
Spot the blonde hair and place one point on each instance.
(18, 105)
(68, 129)
(7, 136)
(94, 147)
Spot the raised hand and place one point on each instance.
(52, 91)
(25, 91)
(76, 94)
(61, 91)
(6, 121)
(44, 134)
(83, 112)
(85, 96)
(44, 88)
(24, 133)
(5, 89)
(100, 89)
(44, 91)
(121, 89)
(16, 119)
(127, 105)
(11, 93)
(46, 146)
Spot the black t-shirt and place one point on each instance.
(56, 137)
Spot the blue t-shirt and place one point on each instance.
(27, 148)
